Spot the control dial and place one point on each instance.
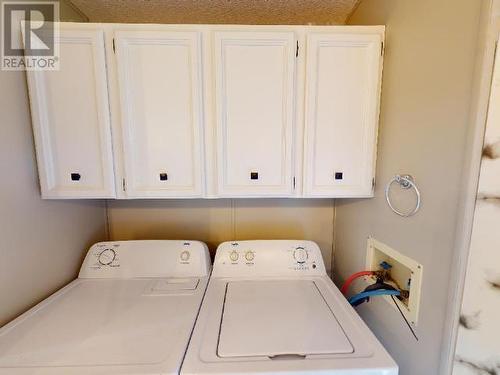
(249, 256)
(185, 255)
(233, 255)
(107, 256)
(300, 255)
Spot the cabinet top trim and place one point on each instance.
(380, 29)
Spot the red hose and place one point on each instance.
(353, 277)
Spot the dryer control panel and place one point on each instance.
(268, 258)
(150, 258)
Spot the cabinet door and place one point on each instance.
(254, 74)
(161, 108)
(71, 123)
(342, 100)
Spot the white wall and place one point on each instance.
(426, 93)
(41, 242)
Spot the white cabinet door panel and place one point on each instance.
(70, 112)
(254, 73)
(342, 98)
(161, 107)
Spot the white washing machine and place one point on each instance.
(270, 308)
(131, 311)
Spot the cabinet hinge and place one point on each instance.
(123, 185)
(293, 182)
(297, 50)
(373, 183)
(114, 48)
(382, 49)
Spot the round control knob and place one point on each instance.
(185, 255)
(107, 256)
(249, 256)
(300, 255)
(233, 255)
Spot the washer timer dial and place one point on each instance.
(107, 256)
(300, 255)
(249, 256)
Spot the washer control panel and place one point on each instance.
(268, 258)
(152, 258)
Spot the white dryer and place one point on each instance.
(131, 311)
(270, 308)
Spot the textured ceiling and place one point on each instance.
(317, 12)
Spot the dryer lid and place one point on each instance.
(278, 318)
(103, 322)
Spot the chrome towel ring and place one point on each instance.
(405, 182)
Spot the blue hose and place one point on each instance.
(380, 292)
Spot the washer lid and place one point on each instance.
(278, 318)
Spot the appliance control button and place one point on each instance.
(249, 256)
(300, 255)
(185, 255)
(233, 255)
(107, 256)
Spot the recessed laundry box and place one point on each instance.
(131, 311)
(271, 308)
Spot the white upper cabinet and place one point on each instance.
(160, 84)
(254, 93)
(209, 111)
(343, 73)
(70, 114)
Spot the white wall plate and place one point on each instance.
(405, 271)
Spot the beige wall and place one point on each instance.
(428, 68)
(41, 242)
(215, 221)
